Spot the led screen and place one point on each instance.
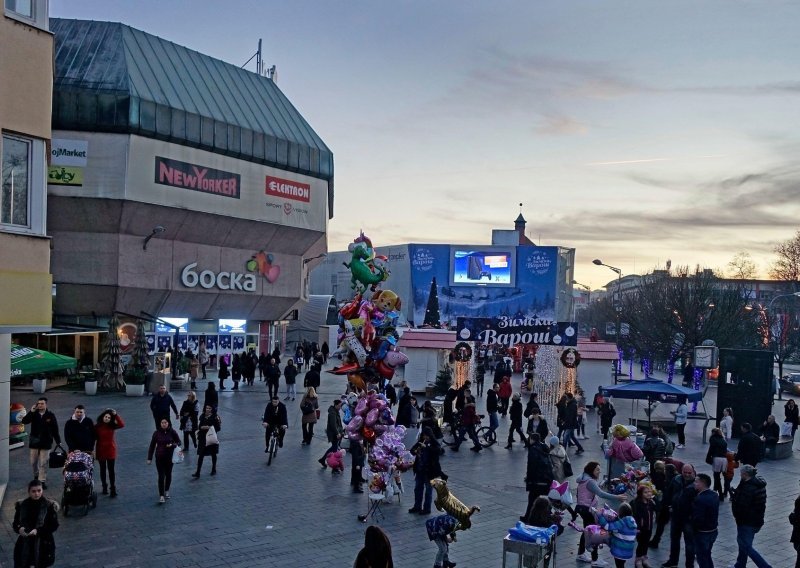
(482, 266)
(182, 323)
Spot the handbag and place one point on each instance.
(318, 413)
(568, 469)
(211, 437)
(177, 456)
(58, 457)
(709, 459)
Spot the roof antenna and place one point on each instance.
(261, 69)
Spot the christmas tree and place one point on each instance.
(443, 380)
(432, 317)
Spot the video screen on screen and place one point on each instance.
(484, 266)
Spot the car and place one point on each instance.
(791, 383)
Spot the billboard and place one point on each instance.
(510, 331)
(482, 266)
(531, 293)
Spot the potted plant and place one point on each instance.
(90, 384)
(134, 381)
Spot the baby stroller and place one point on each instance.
(79, 483)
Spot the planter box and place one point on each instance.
(90, 387)
(39, 385)
(134, 390)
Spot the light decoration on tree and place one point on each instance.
(620, 357)
(630, 367)
(671, 366)
(697, 375)
(464, 358)
(547, 364)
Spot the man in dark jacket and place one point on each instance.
(312, 378)
(570, 423)
(43, 430)
(160, 405)
(748, 505)
(273, 373)
(655, 448)
(275, 417)
(426, 467)
(705, 515)
(79, 431)
(334, 430)
(533, 404)
(263, 361)
(492, 407)
(750, 448)
(539, 473)
(682, 494)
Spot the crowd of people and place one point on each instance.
(676, 495)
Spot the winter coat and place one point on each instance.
(644, 513)
(539, 471)
(792, 414)
(515, 412)
(589, 490)
(311, 379)
(682, 495)
(705, 511)
(211, 397)
(202, 448)
(681, 414)
(772, 432)
(309, 417)
(749, 502)
(40, 514)
(79, 435)
(654, 449)
(161, 405)
(470, 416)
(571, 415)
(163, 443)
(290, 374)
(726, 425)
(530, 407)
(236, 368)
(558, 455)
(607, 414)
(106, 446)
(750, 449)
(193, 367)
(717, 446)
(505, 390)
(625, 450)
(275, 415)
(273, 373)
(541, 428)
(334, 428)
(44, 429)
(404, 412)
(447, 405)
(491, 401)
(623, 536)
(427, 463)
(190, 410)
(794, 519)
(223, 370)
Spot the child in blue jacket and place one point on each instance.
(623, 534)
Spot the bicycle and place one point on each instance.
(486, 436)
(272, 443)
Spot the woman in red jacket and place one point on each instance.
(106, 448)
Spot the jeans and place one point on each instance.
(422, 485)
(569, 436)
(703, 542)
(588, 519)
(164, 468)
(744, 539)
(290, 391)
(494, 421)
(676, 530)
(441, 554)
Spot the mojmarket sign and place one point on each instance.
(509, 331)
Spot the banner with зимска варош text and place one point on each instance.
(508, 331)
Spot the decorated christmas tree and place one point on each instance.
(444, 379)
(432, 317)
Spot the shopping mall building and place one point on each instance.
(179, 186)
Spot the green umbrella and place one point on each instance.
(29, 361)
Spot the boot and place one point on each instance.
(638, 562)
(113, 491)
(105, 489)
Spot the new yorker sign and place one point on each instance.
(197, 178)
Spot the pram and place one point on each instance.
(78, 483)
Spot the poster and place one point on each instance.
(193, 342)
(510, 331)
(238, 343)
(151, 343)
(164, 342)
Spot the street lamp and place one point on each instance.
(769, 307)
(588, 296)
(618, 310)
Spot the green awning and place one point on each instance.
(29, 361)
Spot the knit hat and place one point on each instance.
(554, 441)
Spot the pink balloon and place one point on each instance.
(372, 417)
(361, 406)
(356, 422)
(379, 428)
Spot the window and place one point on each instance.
(21, 7)
(22, 195)
(16, 181)
(32, 12)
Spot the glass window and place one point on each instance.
(21, 7)
(16, 181)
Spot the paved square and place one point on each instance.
(294, 514)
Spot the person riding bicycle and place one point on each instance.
(469, 422)
(275, 417)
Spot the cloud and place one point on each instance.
(560, 125)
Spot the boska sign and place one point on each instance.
(223, 280)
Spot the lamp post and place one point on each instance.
(777, 355)
(588, 297)
(769, 306)
(617, 306)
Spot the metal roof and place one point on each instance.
(110, 77)
(427, 339)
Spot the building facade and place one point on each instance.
(26, 46)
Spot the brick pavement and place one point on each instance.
(222, 521)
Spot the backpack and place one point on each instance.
(306, 408)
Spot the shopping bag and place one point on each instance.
(211, 437)
(58, 457)
(786, 429)
(177, 456)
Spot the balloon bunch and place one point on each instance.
(628, 481)
(368, 418)
(367, 324)
(390, 452)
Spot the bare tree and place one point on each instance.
(780, 331)
(742, 267)
(787, 265)
(668, 315)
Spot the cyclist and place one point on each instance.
(275, 417)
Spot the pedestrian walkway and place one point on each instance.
(294, 514)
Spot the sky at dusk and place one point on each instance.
(633, 131)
